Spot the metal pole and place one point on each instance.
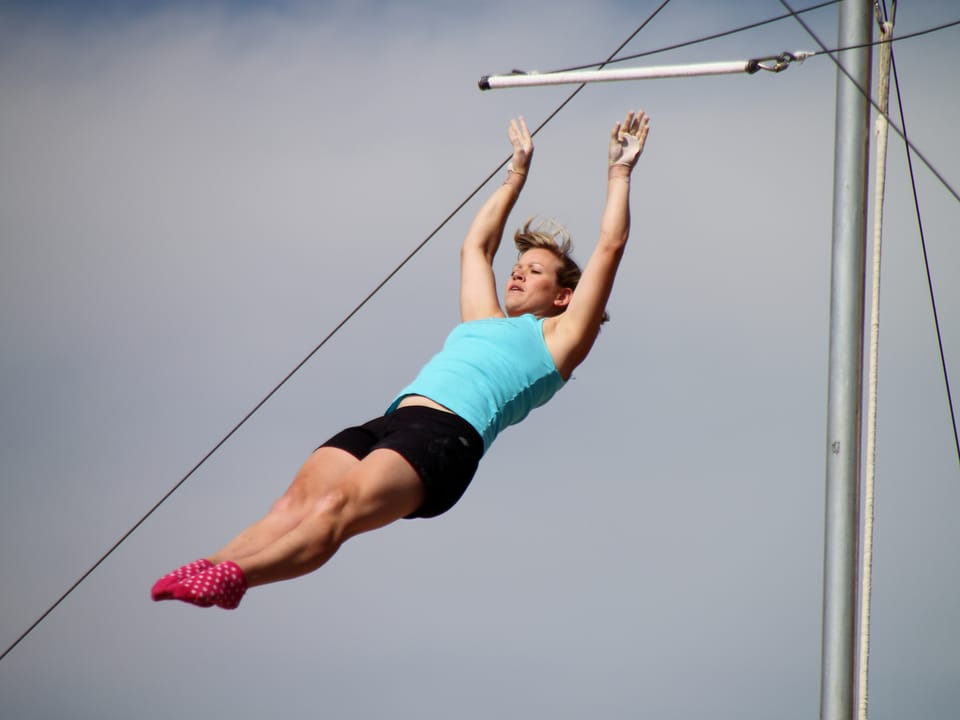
(517, 78)
(845, 384)
(492, 82)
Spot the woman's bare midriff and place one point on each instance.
(421, 401)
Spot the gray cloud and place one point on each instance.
(191, 199)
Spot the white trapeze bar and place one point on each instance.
(528, 79)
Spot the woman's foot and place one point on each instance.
(222, 585)
(161, 589)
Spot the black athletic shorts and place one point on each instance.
(443, 448)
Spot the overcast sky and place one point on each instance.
(193, 195)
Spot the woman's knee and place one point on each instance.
(330, 501)
(317, 485)
(327, 522)
(333, 503)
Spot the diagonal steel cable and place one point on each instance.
(310, 355)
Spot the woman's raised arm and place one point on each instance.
(478, 287)
(575, 331)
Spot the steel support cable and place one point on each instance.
(536, 78)
(313, 352)
(705, 38)
(896, 128)
(908, 144)
(900, 38)
(926, 262)
(751, 26)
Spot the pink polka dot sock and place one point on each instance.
(222, 585)
(161, 588)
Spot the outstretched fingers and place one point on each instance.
(628, 138)
(519, 134)
(636, 123)
(615, 135)
(522, 143)
(640, 127)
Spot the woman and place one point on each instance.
(501, 362)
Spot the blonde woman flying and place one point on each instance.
(502, 361)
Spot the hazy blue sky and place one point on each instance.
(192, 195)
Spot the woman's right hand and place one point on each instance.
(522, 146)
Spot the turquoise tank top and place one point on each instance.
(491, 372)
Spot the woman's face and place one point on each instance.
(532, 286)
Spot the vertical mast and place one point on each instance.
(845, 383)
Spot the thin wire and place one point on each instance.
(250, 414)
(926, 264)
(705, 38)
(866, 94)
(822, 51)
(725, 33)
(313, 352)
(910, 146)
(908, 36)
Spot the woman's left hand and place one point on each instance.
(628, 139)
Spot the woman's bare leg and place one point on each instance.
(334, 497)
(325, 465)
(378, 490)
(285, 514)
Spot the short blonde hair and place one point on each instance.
(551, 236)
